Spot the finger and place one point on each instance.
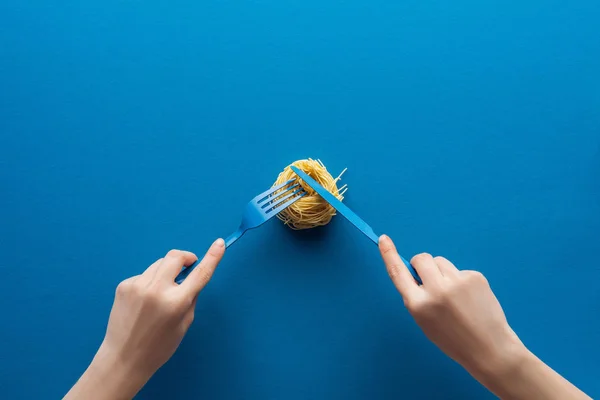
(399, 273)
(200, 276)
(475, 276)
(150, 272)
(173, 262)
(446, 267)
(124, 286)
(427, 269)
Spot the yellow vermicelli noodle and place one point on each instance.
(311, 210)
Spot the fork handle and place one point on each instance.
(231, 239)
(185, 272)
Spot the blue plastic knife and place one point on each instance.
(348, 213)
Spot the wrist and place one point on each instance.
(502, 363)
(500, 373)
(116, 377)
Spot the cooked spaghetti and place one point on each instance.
(311, 210)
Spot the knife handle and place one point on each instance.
(412, 271)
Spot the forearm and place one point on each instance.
(525, 376)
(107, 378)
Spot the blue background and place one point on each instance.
(470, 129)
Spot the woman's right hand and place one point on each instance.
(458, 311)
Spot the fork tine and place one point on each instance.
(282, 203)
(261, 197)
(275, 197)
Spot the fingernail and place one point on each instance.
(383, 237)
(219, 242)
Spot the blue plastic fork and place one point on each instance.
(258, 211)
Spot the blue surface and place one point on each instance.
(470, 129)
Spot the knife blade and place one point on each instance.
(347, 213)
